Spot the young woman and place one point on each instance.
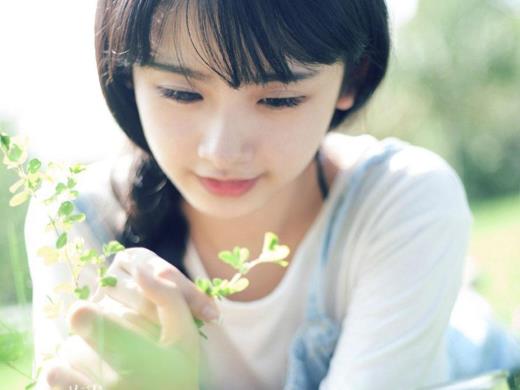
(229, 107)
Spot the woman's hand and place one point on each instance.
(148, 340)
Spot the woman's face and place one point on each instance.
(205, 128)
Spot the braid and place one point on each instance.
(154, 217)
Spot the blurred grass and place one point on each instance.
(15, 284)
(10, 378)
(495, 247)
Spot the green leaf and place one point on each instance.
(5, 141)
(198, 323)
(88, 255)
(19, 198)
(102, 271)
(14, 153)
(226, 256)
(71, 183)
(217, 282)
(75, 218)
(66, 208)
(236, 259)
(34, 165)
(82, 292)
(279, 253)
(270, 242)
(108, 281)
(48, 254)
(231, 258)
(243, 255)
(61, 241)
(35, 183)
(283, 263)
(204, 285)
(49, 200)
(112, 247)
(60, 187)
(225, 291)
(14, 187)
(77, 168)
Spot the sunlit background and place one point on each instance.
(453, 86)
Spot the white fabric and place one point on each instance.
(393, 284)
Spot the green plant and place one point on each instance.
(58, 198)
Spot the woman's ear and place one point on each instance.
(345, 102)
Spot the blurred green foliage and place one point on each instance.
(15, 283)
(454, 87)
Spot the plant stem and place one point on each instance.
(69, 263)
(53, 222)
(23, 175)
(250, 265)
(18, 370)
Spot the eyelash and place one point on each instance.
(185, 97)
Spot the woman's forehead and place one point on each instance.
(185, 37)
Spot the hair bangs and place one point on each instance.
(242, 42)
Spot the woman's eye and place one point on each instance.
(282, 102)
(190, 97)
(179, 96)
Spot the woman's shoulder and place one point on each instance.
(349, 151)
(392, 175)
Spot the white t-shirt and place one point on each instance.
(393, 283)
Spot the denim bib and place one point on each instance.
(315, 340)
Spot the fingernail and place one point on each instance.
(210, 313)
(218, 321)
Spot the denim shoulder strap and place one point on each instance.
(98, 228)
(315, 340)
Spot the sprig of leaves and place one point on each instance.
(72, 251)
(62, 217)
(63, 179)
(272, 252)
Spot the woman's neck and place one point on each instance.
(289, 215)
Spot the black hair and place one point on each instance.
(242, 41)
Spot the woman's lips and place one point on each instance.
(228, 187)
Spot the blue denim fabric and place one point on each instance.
(496, 349)
(313, 345)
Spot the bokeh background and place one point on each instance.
(453, 86)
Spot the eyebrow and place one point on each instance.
(196, 75)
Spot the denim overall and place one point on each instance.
(315, 340)
(313, 345)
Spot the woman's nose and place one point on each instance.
(226, 144)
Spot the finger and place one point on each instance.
(126, 292)
(85, 360)
(174, 314)
(59, 376)
(201, 305)
(122, 348)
